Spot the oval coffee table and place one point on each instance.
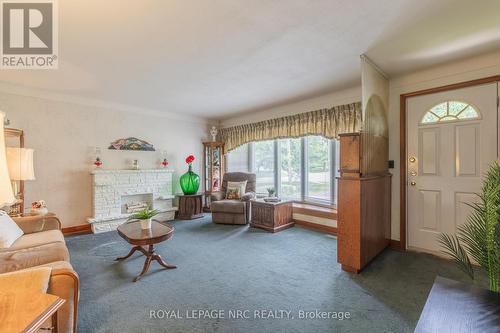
(138, 237)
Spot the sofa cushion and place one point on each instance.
(33, 256)
(36, 239)
(9, 231)
(228, 206)
(35, 280)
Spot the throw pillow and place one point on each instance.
(233, 193)
(242, 185)
(9, 231)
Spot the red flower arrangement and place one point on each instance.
(164, 163)
(189, 159)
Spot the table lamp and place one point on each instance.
(20, 164)
(6, 195)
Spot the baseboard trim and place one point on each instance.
(77, 229)
(316, 227)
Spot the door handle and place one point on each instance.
(412, 159)
(413, 183)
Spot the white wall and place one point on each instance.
(324, 101)
(64, 135)
(454, 72)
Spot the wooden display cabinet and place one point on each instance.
(214, 168)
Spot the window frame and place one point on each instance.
(332, 201)
(457, 119)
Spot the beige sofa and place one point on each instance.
(43, 245)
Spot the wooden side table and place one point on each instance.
(190, 206)
(26, 312)
(272, 216)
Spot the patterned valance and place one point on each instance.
(326, 122)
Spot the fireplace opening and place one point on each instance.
(136, 202)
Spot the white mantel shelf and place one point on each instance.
(113, 171)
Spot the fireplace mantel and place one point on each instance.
(110, 188)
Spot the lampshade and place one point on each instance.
(20, 162)
(6, 195)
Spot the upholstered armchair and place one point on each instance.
(226, 211)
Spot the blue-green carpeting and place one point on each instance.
(229, 268)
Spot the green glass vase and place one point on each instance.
(190, 182)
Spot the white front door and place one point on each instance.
(452, 137)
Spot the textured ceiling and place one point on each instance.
(223, 57)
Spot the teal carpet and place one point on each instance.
(271, 278)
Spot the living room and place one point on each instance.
(282, 166)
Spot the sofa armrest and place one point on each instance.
(217, 196)
(64, 283)
(31, 224)
(248, 196)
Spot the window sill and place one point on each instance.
(316, 210)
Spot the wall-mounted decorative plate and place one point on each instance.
(131, 144)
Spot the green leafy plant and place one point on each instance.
(271, 191)
(144, 214)
(479, 238)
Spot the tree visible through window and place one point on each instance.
(264, 165)
(449, 111)
(290, 151)
(319, 167)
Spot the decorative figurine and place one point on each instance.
(213, 133)
(97, 160)
(39, 208)
(135, 165)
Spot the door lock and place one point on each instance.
(412, 159)
(413, 173)
(413, 183)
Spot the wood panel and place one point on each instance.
(348, 224)
(375, 216)
(350, 156)
(364, 204)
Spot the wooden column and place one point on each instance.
(364, 203)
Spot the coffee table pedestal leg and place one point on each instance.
(150, 256)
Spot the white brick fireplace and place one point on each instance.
(113, 190)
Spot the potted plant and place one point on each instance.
(271, 191)
(479, 237)
(145, 216)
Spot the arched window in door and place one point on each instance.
(450, 111)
